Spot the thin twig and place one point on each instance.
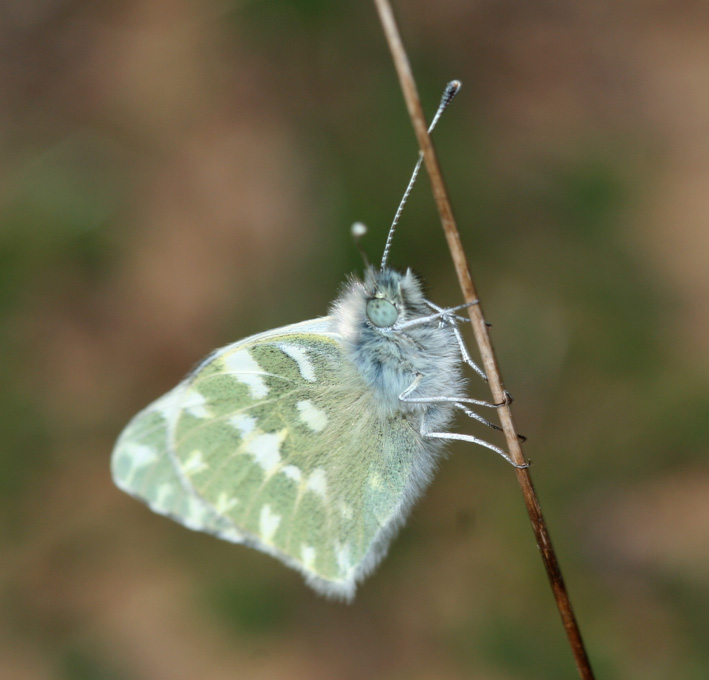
(482, 337)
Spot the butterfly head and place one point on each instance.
(388, 352)
(374, 307)
(391, 297)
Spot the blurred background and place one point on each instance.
(176, 175)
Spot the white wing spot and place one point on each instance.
(317, 482)
(139, 455)
(376, 481)
(196, 405)
(314, 417)
(292, 472)
(265, 448)
(224, 503)
(166, 404)
(194, 463)
(300, 356)
(268, 523)
(245, 424)
(307, 554)
(247, 371)
(194, 517)
(346, 511)
(344, 559)
(231, 534)
(165, 490)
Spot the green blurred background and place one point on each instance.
(175, 175)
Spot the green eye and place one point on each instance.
(382, 313)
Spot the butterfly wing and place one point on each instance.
(276, 442)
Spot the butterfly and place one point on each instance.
(310, 442)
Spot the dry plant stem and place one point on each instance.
(482, 337)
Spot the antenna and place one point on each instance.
(358, 230)
(451, 91)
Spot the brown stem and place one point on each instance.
(482, 337)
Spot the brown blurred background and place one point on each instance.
(175, 175)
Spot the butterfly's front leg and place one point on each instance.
(451, 320)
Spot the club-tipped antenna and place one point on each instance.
(448, 94)
(358, 230)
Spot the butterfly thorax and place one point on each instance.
(388, 360)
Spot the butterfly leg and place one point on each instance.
(466, 359)
(480, 419)
(465, 354)
(451, 320)
(450, 316)
(405, 396)
(475, 416)
(473, 440)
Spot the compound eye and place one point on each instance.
(382, 313)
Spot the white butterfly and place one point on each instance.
(312, 441)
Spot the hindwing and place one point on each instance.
(275, 441)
